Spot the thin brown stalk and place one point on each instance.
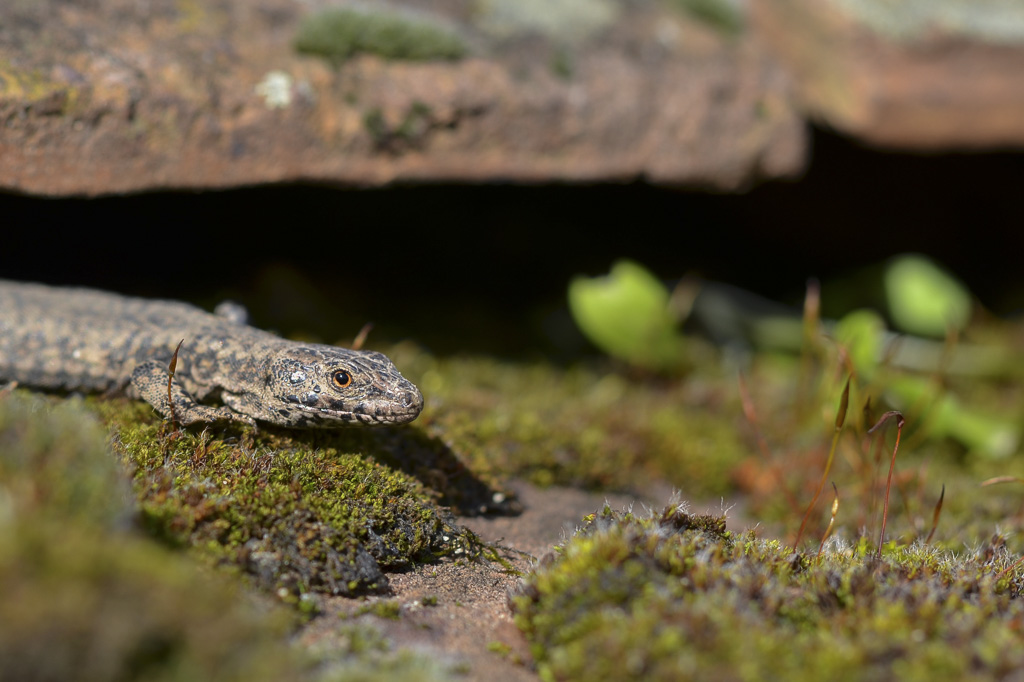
(936, 513)
(844, 402)
(170, 379)
(892, 465)
(809, 343)
(1015, 564)
(357, 343)
(832, 521)
(1002, 479)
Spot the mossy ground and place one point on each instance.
(302, 512)
(87, 599)
(596, 428)
(676, 596)
(88, 596)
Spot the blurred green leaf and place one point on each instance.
(626, 314)
(993, 435)
(860, 333)
(923, 298)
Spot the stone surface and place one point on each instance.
(919, 74)
(125, 95)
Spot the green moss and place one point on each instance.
(54, 464)
(87, 606)
(499, 648)
(358, 652)
(725, 16)
(383, 608)
(301, 512)
(337, 34)
(580, 426)
(83, 597)
(402, 665)
(42, 93)
(562, 64)
(408, 133)
(676, 596)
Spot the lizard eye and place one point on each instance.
(341, 378)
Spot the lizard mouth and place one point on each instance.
(370, 417)
(400, 411)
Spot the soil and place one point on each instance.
(472, 613)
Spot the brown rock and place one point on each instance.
(121, 96)
(923, 84)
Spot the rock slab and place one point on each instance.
(126, 96)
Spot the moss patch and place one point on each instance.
(676, 596)
(43, 94)
(337, 34)
(362, 652)
(85, 598)
(725, 16)
(54, 464)
(301, 512)
(580, 426)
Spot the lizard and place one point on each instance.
(78, 339)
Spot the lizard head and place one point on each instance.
(315, 385)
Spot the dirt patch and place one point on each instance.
(457, 613)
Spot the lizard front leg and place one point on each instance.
(149, 379)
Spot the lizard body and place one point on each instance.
(86, 340)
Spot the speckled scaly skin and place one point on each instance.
(87, 340)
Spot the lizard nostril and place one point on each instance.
(413, 399)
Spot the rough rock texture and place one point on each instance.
(131, 95)
(912, 74)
